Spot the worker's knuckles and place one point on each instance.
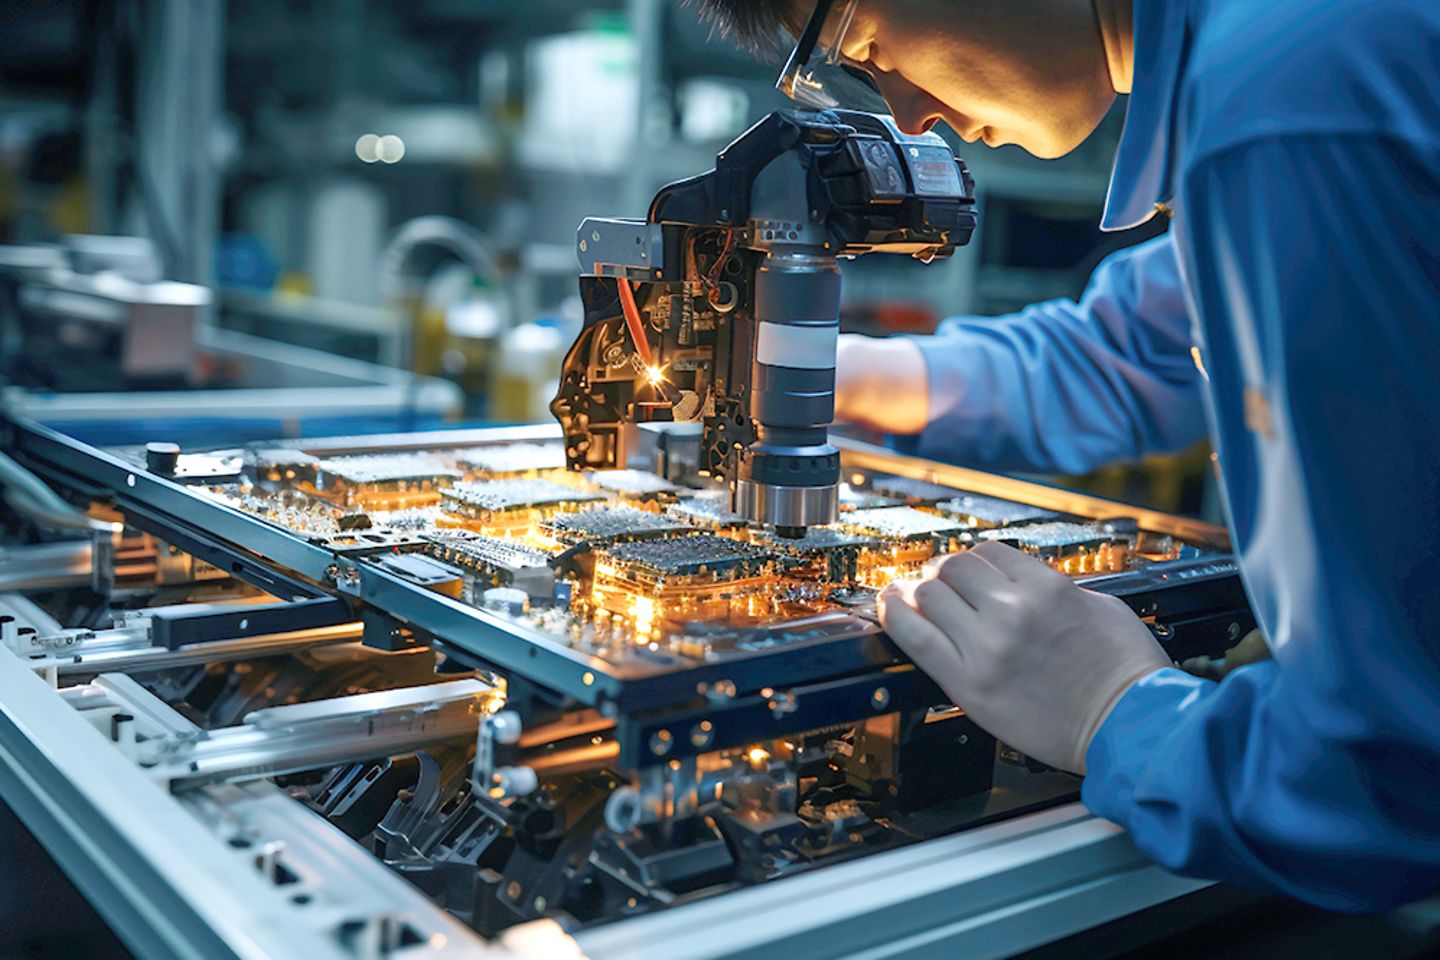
(960, 568)
(933, 597)
(994, 549)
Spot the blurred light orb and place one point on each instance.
(367, 148)
(391, 148)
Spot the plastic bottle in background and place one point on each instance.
(526, 372)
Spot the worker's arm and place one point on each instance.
(1316, 263)
(1061, 386)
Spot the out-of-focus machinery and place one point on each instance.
(733, 318)
(542, 692)
(94, 341)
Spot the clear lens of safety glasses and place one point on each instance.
(817, 73)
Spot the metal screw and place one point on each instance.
(512, 890)
(702, 734)
(964, 739)
(583, 247)
(880, 699)
(661, 743)
(595, 235)
(724, 213)
(539, 904)
(1233, 631)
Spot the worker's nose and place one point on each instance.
(915, 111)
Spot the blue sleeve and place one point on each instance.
(1316, 265)
(1065, 386)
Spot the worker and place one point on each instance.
(1294, 308)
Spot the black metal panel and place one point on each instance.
(175, 627)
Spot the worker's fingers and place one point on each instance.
(939, 603)
(1015, 564)
(974, 578)
(923, 642)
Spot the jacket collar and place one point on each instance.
(1142, 174)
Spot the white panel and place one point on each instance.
(810, 348)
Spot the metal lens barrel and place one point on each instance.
(788, 476)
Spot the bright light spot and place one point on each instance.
(587, 678)
(367, 148)
(391, 148)
(758, 757)
(642, 611)
(656, 375)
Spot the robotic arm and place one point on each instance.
(722, 306)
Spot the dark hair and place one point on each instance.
(753, 24)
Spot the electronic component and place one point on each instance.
(855, 498)
(701, 554)
(701, 576)
(501, 461)
(498, 507)
(292, 508)
(1073, 548)
(912, 537)
(826, 554)
(495, 562)
(979, 512)
(902, 523)
(505, 600)
(709, 513)
(389, 482)
(911, 490)
(283, 465)
(424, 572)
(635, 485)
(600, 525)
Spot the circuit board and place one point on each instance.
(628, 565)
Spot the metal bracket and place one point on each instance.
(174, 627)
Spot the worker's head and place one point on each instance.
(1029, 72)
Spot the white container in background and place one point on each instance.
(526, 372)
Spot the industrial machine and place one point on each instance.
(734, 322)
(553, 692)
(93, 342)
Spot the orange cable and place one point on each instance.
(632, 320)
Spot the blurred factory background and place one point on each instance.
(374, 205)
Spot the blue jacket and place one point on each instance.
(1294, 309)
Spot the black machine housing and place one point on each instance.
(736, 295)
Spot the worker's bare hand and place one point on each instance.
(1031, 657)
(882, 384)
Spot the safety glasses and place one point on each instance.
(818, 74)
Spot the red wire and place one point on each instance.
(632, 320)
(719, 262)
